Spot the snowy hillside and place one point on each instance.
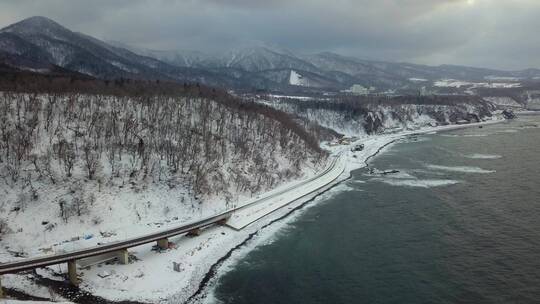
(297, 79)
(504, 102)
(363, 115)
(87, 166)
(256, 59)
(532, 100)
(452, 83)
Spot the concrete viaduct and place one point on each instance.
(120, 248)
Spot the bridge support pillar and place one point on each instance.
(194, 232)
(223, 222)
(1, 291)
(123, 256)
(163, 243)
(72, 273)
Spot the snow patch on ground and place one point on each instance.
(503, 78)
(289, 97)
(297, 79)
(453, 83)
(26, 285)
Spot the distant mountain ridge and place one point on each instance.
(40, 44)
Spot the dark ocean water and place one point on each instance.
(459, 223)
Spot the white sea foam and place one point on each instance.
(529, 126)
(401, 175)
(483, 156)
(420, 183)
(465, 135)
(475, 135)
(509, 131)
(462, 169)
(415, 140)
(427, 171)
(343, 187)
(357, 181)
(397, 175)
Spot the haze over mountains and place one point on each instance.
(40, 44)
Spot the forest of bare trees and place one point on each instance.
(376, 114)
(217, 144)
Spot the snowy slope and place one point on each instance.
(357, 117)
(297, 79)
(504, 102)
(84, 169)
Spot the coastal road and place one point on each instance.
(251, 212)
(37, 262)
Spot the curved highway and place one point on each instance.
(37, 262)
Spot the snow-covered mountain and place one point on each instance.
(259, 59)
(180, 58)
(47, 40)
(42, 45)
(333, 71)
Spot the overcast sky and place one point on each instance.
(487, 33)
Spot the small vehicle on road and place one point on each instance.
(358, 147)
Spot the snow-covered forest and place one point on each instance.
(363, 115)
(61, 151)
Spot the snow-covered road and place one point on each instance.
(274, 200)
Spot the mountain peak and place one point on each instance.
(35, 25)
(38, 20)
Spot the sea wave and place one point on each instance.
(483, 156)
(343, 187)
(508, 131)
(420, 183)
(475, 135)
(463, 169)
(398, 175)
(414, 140)
(465, 135)
(402, 175)
(357, 181)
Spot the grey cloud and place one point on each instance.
(491, 33)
